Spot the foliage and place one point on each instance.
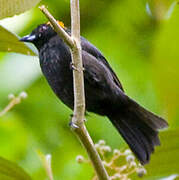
(11, 171)
(9, 42)
(140, 41)
(11, 8)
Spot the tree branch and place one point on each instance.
(78, 79)
(77, 124)
(60, 31)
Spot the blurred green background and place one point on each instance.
(139, 39)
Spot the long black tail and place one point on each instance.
(139, 128)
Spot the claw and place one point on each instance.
(72, 67)
(73, 125)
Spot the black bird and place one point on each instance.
(103, 91)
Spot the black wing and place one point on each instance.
(91, 49)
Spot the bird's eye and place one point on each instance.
(42, 29)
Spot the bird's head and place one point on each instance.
(41, 34)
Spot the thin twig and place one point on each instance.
(78, 79)
(87, 142)
(13, 101)
(79, 95)
(46, 161)
(11, 104)
(60, 31)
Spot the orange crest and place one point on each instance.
(61, 24)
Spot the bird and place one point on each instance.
(104, 94)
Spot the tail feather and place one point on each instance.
(152, 120)
(139, 128)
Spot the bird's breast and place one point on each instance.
(55, 65)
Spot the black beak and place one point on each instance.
(28, 38)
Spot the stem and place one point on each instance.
(78, 78)
(87, 142)
(60, 31)
(77, 124)
(11, 104)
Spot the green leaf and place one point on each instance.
(165, 66)
(164, 161)
(11, 171)
(11, 8)
(9, 42)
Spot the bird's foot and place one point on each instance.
(73, 67)
(73, 125)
